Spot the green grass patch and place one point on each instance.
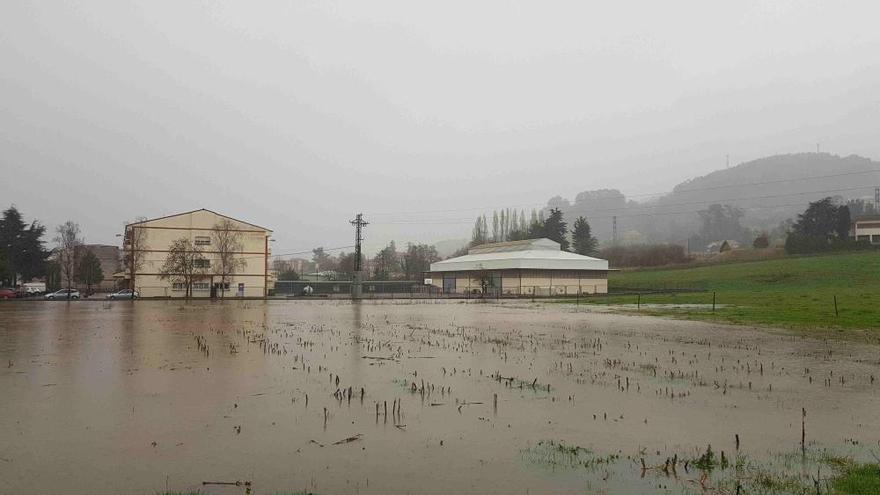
(793, 292)
(858, 479)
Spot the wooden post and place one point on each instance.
(639, 301)
(803, 431)
(836, 314)
(713, 301)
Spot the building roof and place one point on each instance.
(194, 211)
(866, 218)
(539, 254)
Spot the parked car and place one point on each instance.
(8, 294)
(124, 294)
(63, 294)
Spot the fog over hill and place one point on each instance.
(768, 190)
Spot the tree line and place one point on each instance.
(24, 257)
(387, 264)
(508, 225)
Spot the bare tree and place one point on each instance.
(228, 246)
(184, 263)
(69, 244)
(134, 242)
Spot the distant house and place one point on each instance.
(715, 246)
(156, 236)
(866, 228)
(527, 267)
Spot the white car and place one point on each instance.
(63, 294)
(124, 294)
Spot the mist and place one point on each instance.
(297, 115)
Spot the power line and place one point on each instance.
(709, 188)
(298, 252)
(595, 217)
(667, 205)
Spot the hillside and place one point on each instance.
(769, 190)
(792, 292)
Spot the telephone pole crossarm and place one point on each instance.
(359, 225)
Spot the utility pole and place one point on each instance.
(877, 200)
(614, 229)
(359, 224)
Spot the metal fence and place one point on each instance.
(411, 289)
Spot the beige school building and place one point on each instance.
(536, 267)
(154, 237)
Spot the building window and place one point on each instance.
(178, 286)
(203, 240)
(202, 263)
(201, 286)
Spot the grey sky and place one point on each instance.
(296, 115)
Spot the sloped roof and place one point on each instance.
(525, 244)
(195, 211)
(540, 254)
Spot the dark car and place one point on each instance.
(8, 294)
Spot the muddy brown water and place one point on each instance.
(130, 398)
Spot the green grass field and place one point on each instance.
(795, 292)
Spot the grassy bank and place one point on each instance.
(796, 292)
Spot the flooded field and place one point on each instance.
(446, 397)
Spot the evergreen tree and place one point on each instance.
(386, 262)
(417, 260)
(5, 272)
(496, 234)
(88, 270)
(824, 219)
(23, 248)
(556, 229)
(582, 238)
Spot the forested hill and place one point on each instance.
(768, 190)
(780, 175)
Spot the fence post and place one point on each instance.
(836, 314)
(713, 301)
(639, 301)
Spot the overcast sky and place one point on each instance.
(296, 115)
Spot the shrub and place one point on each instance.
(808, 244)
(644, 255)
(762, 241)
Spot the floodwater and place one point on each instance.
(118, 397)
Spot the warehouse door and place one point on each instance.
(449, 284)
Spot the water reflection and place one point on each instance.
(114, 397)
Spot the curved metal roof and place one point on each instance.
(538, 254)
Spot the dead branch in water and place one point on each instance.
(348, 440)
(228, 483)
